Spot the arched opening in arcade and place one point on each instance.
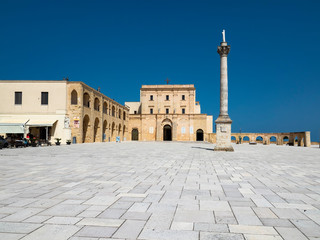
(135, 134)
(86, 127)
(199, 135)
(295, 141)
(123, 132)
(105, 108)
(113, 128)
(96, 128)
(119, 132)
(285, 140)
(259, 139)
(104, 130)
(74, 97)
(96, 104)
(246, 139)
(167, 133)
(86, 100)
(233, 139)
(273, 140)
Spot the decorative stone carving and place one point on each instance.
(223, 50)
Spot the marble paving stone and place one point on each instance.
(211, 227)
(136, 215)
(101, 222)
(246, 216)
(276, 222)
(22, 215)
(262, 237)
(112, 213)
(13, 227)
(37, 219)
(260, 230)
(290, 233)
(168, 235)
(53, 232)
(11, 236)
(65, 210)
(194, 216)
(181, 226)
(96, 232)
(308, 227)
(224, 236)
(130, 229)
(263, 212)
(289, 213)
(63, 220)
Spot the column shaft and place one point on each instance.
(223, 86)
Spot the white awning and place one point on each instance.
(12, 128)
(40, 123)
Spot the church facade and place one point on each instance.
(168, 113)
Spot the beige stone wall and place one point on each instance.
(31, 97)
(184, 126)
(294, 138)
(104, 116)
(31, 111)
(134, 107)
(175, 104)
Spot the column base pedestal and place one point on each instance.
(223, 134)
(223, 149)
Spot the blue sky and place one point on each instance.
(120, 45)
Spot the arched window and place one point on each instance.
(124, 115)
(120, 113)
(74, 97)
(105, 108)
(86, 100)
(113, 111)
(96, 104)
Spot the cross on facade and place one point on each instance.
(167, 81)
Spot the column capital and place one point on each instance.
(223, 50)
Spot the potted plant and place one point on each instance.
(58, 141)
(68, 142)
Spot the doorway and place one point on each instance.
(134, 134)
(199, 135)
(167, 133)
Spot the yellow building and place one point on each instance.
(168, 112)
(60, 109)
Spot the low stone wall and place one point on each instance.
(291, 138)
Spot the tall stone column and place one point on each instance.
(223, 122)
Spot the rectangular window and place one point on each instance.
(183, 110)
(167, 97)
(151, 110)
(183, 97)
(167, 110)
(151, 97)
(44, 98)
(18, 98)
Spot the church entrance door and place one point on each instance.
(199, 135)
(167, 133)
(135, 134)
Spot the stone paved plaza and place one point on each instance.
(159, 190)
